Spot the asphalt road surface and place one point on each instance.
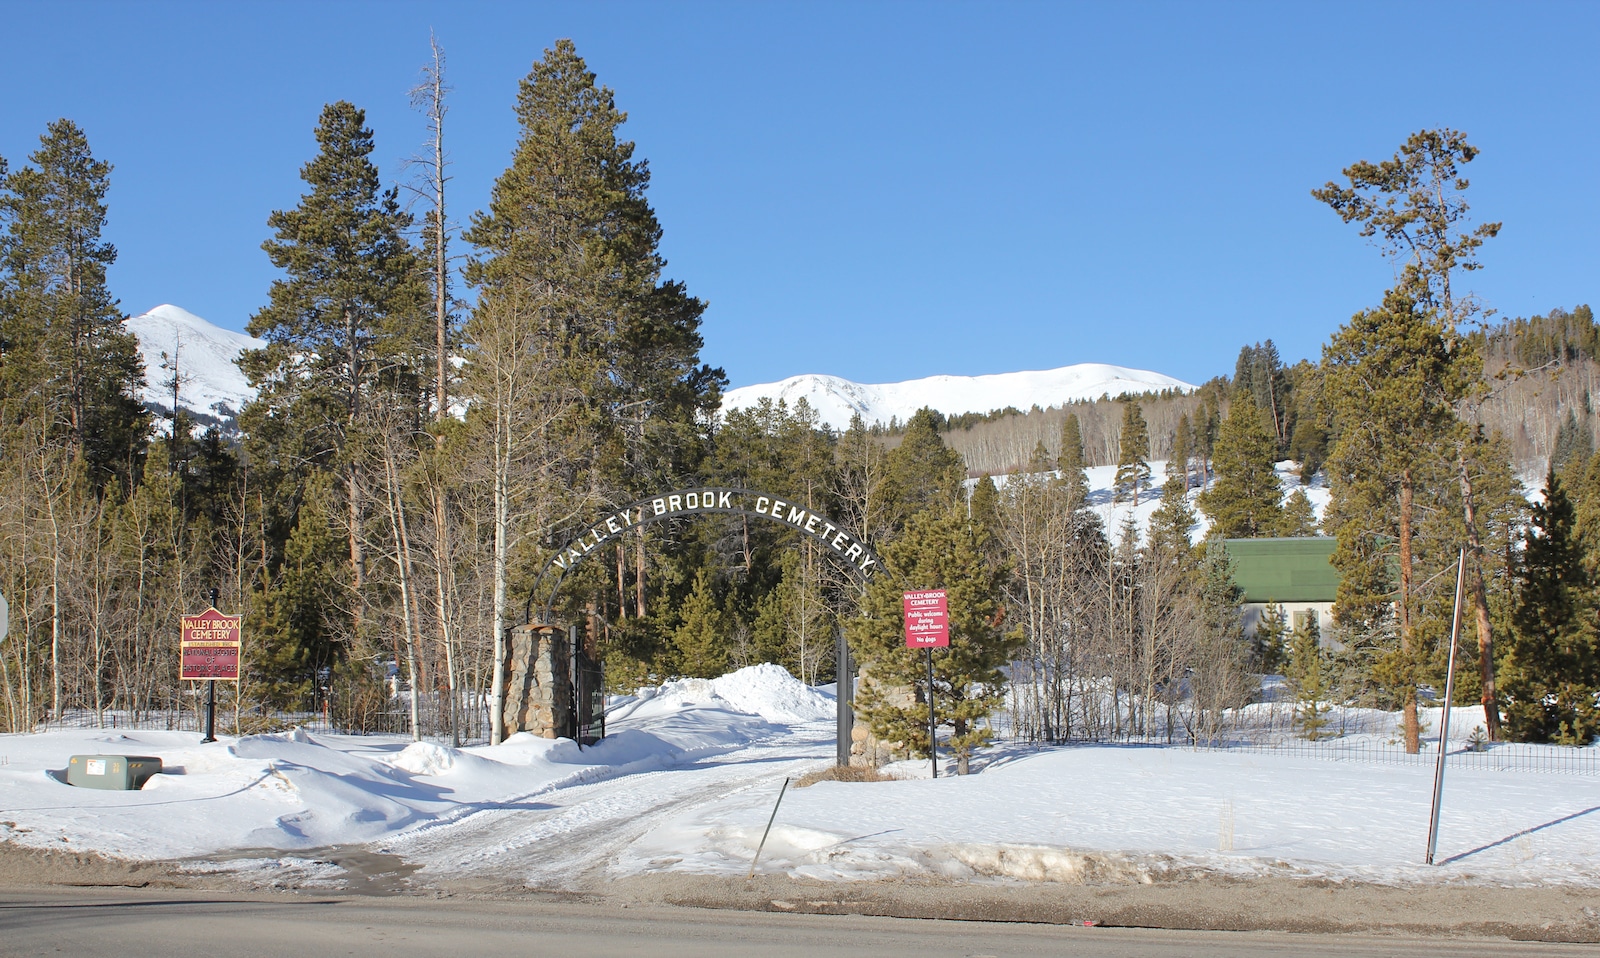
(178, 924)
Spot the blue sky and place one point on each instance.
(880, 191)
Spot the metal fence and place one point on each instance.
(1498, 757)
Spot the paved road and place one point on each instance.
(178, 924)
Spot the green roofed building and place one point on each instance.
(1295, 573)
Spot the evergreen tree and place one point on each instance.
(1574, 443)
(1552, 676)
(1391, 377)
(1259, 375)
(1182, 450)
(1173, 520)
(923, 472)
(1269, 644)
(1243, 503)
(940, 549)
(66, 354)
(1070, 461)
(1219, 677)
(983, 506)
(570, 231)
(1308, 669)
(1308, 447)
(347, 335)
(1299, 519)
(701, 639)
(1133, 449)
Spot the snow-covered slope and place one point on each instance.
(836, 400)
(211, 386)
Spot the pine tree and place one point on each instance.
(66, 352)
(1219, 678)
(1574, 443)
(1390, 377)
(701, 638)
(1070, 461)
(347, 334)
(1269, 645)
(1182, 450)
(1308, 676)
(1173, 520)
(1243, 503)
(1552, 676)
(1133, 449)
(1299, 519)
(940, 549)
(923, 473)
(570, 231)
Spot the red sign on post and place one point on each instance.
(927, 619)
(209, 647)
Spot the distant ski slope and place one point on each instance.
(836, 400)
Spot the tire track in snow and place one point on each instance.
(573, 844)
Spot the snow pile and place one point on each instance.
(210, 383)
(687, 776)
(765, 690)
(771, 692)
(835, 400)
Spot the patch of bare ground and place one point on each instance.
(841, 773)
(1189, 900)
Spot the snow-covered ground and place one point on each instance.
(836, 400)
(210, 382)
(1114, 515)
(687, 778)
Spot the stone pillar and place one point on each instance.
(865, 747)
(538, 681)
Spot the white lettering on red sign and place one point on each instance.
(927, 615)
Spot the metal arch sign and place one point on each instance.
(847, 545)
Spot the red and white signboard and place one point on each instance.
(209, 643)
(927, 619)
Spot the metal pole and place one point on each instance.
(211, 696)
(768, 830)
(933, 734)
(1444, 720)
(844, 698)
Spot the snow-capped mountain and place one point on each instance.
(211, 386)
(836, 400)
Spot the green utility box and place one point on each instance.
(119, 772)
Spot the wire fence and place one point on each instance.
(1497, 757)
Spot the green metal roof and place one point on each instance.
(1284, 570)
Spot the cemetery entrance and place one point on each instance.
(552, 679)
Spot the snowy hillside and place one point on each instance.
(1114, 515)
(836, 400)
(211, 386)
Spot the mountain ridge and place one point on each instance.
(211, 386)
(836, 400)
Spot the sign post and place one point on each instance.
(927, 615)
(208, 644)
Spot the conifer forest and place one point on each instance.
(446, 396)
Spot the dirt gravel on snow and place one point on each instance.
(1194, 902)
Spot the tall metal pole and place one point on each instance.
(844, 698)
(933, 736)
(211, 696)
(1444, 720)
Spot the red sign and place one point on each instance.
(927, 619)
(209, 646)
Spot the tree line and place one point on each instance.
(411, 459)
